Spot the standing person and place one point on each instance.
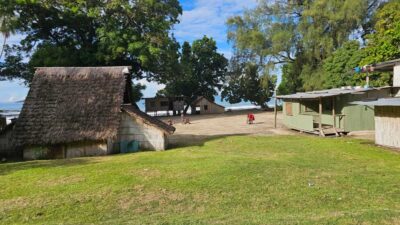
(251, 118)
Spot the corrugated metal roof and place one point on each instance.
(380, 102)
(385, 66)
(327, 93)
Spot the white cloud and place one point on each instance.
(151, 88)
(12, 91)
(208, 17)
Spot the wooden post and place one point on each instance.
(334, 116)
(275, 111)
(321, 133)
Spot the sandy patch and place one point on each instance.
(230, 123)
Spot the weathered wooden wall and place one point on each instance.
(387, 126)
(6, 147)
(349, 117)
(155, 104)
(212, 108)
(148, 136)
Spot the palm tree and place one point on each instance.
(5, 29)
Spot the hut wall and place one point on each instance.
(6, 147)
(396, 75)
(293, 119)
(157, 104)
(149, 137)
(359, 117)
(300, 118)
(3, 122)
(72, 150)
(207, 107)
(387, 123)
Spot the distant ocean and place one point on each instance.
(10, 110)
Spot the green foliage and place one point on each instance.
(230, 180)
(91, 33)
(199, 71)
(246, 83)
(300, 34)
(137, 94)
(384, 43)
(339, 67)
(13, 67)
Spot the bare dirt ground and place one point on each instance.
(204, 127)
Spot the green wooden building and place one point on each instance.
(330, 111)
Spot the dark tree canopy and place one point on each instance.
(199, 71)
(91, 33)
(299, 35)
(246, 82)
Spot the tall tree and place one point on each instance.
(299, 34)
(7, 20)
(91, 33)
(384, 43)
(201, 72)
(248, 82)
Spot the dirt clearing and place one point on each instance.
(203, 127)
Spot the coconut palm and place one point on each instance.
(6, 30)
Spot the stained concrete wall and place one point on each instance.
(73, 150)
(148, 136)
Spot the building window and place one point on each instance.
(153, 104)
(289, 110)
(310, 106)
(205, 107)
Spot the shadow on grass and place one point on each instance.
(189, 140)
(225, 115)
(11, 167)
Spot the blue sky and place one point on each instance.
(199, 18)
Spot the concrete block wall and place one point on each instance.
(149, 137)
(72, 150)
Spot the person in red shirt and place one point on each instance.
(250, 118)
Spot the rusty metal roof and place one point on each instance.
(380, 102)
(327, 93)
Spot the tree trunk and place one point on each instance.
(4, 45)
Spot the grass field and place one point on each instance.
(232, 180)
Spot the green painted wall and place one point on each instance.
(348, 117)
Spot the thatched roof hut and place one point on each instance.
(75, 104)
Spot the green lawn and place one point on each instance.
(232, 180)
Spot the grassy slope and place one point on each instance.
(232, 180)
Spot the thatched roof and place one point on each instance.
(71, 104)
(135, 112)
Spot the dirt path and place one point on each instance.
(230, 123)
